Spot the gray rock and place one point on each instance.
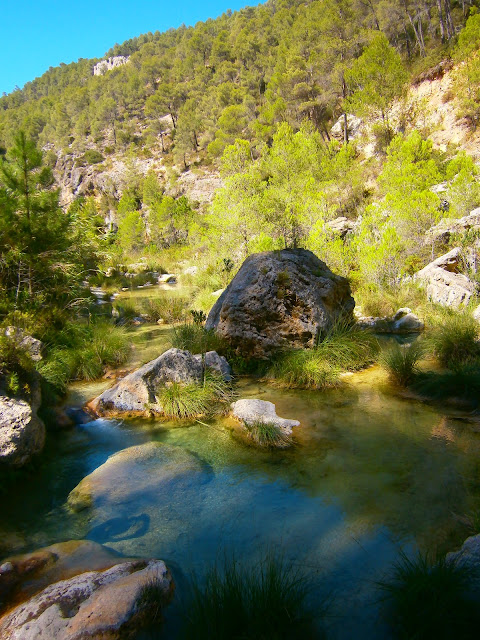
(280, 299)
(110, 63)
(340, 226)
(353, 125)
(22, 433)
(143, 472)
(31, 346)
(93, 605)
(136, 392)
(253, 410)
(442, 232)
(217, 363)
(476, 313)
(167, 278)
(404, 321)
(444, 284)
(469, 555)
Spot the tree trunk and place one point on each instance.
(448, 19)
(440, 19)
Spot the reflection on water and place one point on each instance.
(371, 474)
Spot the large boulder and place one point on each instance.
(280, 299)
(31, 346)
(136, 392)
(444, 284)
(136, 474)
(94, 605)
(251, 410)
(22, 433)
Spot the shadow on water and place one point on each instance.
(117, 529)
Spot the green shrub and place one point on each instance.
(168, 308)
(235, 602)
(195, 338)
(91, 156)
(455, 341)
(401, 361)
(427, 600)
(181, 401)
(268, 435)
(343, 348)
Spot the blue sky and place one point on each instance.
(38, 34)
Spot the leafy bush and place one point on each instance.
(236, 602)
(193, 400)
(268, 435)
(168, 308)
(91, 156)
(343, 348)
(455, 341)
(401, 362)
(195, 338)
(430, 599)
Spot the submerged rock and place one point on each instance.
(136, 473)
(469, 555)
(94, 605)
(443, 282)
(280, 299)
(136, 392)
(252, 410)
(22, 433)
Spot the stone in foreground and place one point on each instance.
(469, 556)
(22, 433)
(136, 474)
(443, 282)
(94, 605)
(136, 392)
(252, 410)
(280, 299)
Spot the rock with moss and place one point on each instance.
(22, 433)
(94, 605)
(135, 474)
(137, 392)
(280, 299)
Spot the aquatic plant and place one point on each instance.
(152, 598)
(195, 338)
(401, 362)
(343, 348)
(268, 435)
(455, 341)
(428, 598)
(237, 601)
(180, 401)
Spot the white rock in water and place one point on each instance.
(252, 410)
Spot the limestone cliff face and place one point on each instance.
(110, 63)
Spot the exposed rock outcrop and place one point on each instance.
(444, 284)
(404, 321)
(252, 410)
(443, 231)
(135, 473)
(278, 300)
(353, 124)
(340, 226)
(136, 392)
(31, 346)
(110, 63)
(22, 433)
(94, 605)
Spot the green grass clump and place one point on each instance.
(193, 337)
(344, 348)
(153, 599)
(235, 602)
(455, 342)
(401, 362)
(181, 401)
(430, 600)
(268, 435)
(81, 352)
(167, 308)
(463, 384)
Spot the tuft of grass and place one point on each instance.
(268, 435)
(193, 337)
(343, 348)
(181, 401)
(455, 342)
(168, 308)
(235, 602)
(463, 384)
(430, 599)
(153, 599)
(401, 362)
